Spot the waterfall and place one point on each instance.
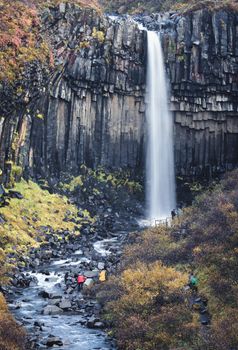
(160, 159)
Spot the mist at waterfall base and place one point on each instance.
(160, 174)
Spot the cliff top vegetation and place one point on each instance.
(150, 6)
(21, 38)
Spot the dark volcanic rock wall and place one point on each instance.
(94, 109)
(201, 51)
(95, 112)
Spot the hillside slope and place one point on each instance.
(149, 290)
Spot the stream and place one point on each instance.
(73, 324)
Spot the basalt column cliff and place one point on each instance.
(93, 110)
(202, 56)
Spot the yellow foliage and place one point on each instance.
(24, 218)
(74, 183)
(99, 35)
(145, 282)
(84, 44)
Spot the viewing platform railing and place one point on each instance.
(164, 222)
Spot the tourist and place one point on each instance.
(66, 276)
(173, 213)
(80, 280)
(102, 276)
(193, 282)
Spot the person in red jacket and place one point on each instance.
(81, 279)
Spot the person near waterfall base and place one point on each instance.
(173, 213)
(80, 280)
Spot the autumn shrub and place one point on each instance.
(150, 6)
(12, 336)
(146, 311)
(224, 334)
(146, 306)
(21, 38)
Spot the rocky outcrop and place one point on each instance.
(202, 58)
(95, 113)
(94, 109)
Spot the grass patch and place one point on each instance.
(25, 217)
(117, 179)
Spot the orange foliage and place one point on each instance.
(20, 38)
(147, 307)
(145, 304)
(12, 336)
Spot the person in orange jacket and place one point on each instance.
(80, 280)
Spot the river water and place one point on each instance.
(69, 327)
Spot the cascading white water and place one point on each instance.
(160, 159)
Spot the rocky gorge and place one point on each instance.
(46, 300)
(43, 294)
(93, 109)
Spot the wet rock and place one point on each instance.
(44, 294)
(54, 302)
(91, 274)
(55, 295)
(89, 282)
(52, 310)
(99, 325)
(65, 304)
(38, 324)
(46, 255)
(101, 266)
(91, 321)
(51, 341)
(51, 279)
(205, 319)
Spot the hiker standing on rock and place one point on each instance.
(80, 280)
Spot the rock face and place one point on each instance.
(202, 59)
(94, 111)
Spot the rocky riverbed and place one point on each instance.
(44, 297)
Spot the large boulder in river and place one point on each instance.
(89, 282)
(52, 310)
(65, 304)
(51, 341)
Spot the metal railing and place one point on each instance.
(164, 222)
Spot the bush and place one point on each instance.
(146, 305)
(12, 336)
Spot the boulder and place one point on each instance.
(65, 304)
(52, 310)
(101, 266)
(44, 294)
(51, 341)
(91, 274)
(88, 282)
